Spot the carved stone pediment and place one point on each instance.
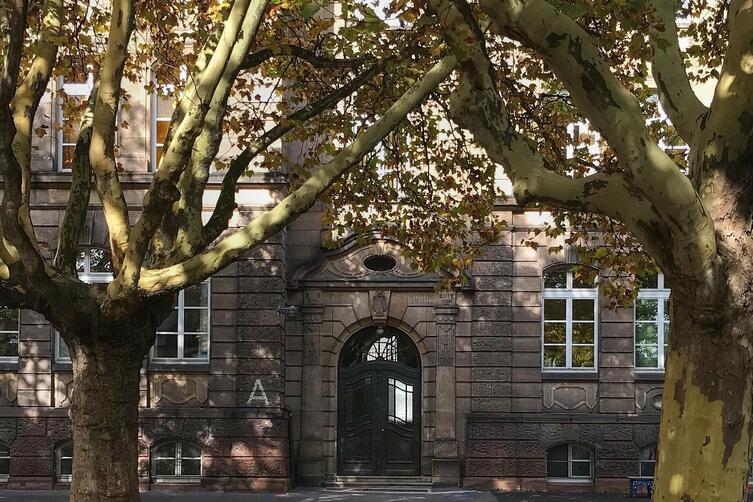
(349, 265)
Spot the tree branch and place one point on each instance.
(654, 199)
(225, 205)
(238, 34)
(201, 266)
(80, 191)
(252, 60)
(26, 101)
(101, 150)
(677, 97)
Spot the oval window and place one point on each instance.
(380, 263)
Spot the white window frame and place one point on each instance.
(641, 461)
(663, 117)
(570, 477)
(62, 478)
(88, 277)
(574, 129)
(153, 119)
(181, 308)
(661, 294)
(13, 359)
(178, 477)
(569, 294)
(5, 454)
(71, 89)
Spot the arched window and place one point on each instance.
(648, 461)
(93, 266)
(652, 322)
(569, 328)
(569, 461)
(176, 461)
(64, 462)
(4, 462)
(379, 344)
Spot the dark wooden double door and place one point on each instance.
(379, 412)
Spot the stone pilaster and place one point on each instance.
(311, 458)
(446, 465)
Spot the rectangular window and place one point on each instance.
(569, 327)
(70, 102)
(184, 335)
(652, 323)
(10, 325)
(161, 107)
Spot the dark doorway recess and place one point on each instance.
(379, 405)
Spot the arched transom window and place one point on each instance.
(569, 326)
(176, 460)
(569, 461)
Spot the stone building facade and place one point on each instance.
(521, 380)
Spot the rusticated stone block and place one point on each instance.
(531, 467)
(38, 465)
(489, 467)
(617, 468)
(491, 449)
(244, 466)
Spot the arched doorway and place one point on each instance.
(379, 405)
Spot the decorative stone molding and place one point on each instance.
(379, 304)
(347, 265)
(446, 316)
(570, 397)
(312, 323)
(8, 389)
(171, 389)
(648, 398)
(63, 389)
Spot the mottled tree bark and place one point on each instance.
(104, 410)
(705, 436)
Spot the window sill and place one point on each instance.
(565, 375)
(649, 375)
(184, 366)
(62, 366)
(570, 481)
(183, 480)
(9, 364)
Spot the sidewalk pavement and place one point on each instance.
(326, 495)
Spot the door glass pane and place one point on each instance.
(400, 401)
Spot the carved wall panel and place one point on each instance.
(172, 389)
(63, 389)
(570, 397)
(648, 398)
(8, 388)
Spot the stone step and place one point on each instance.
(416, 484)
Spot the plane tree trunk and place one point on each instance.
(104, 410)
(705, 433)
